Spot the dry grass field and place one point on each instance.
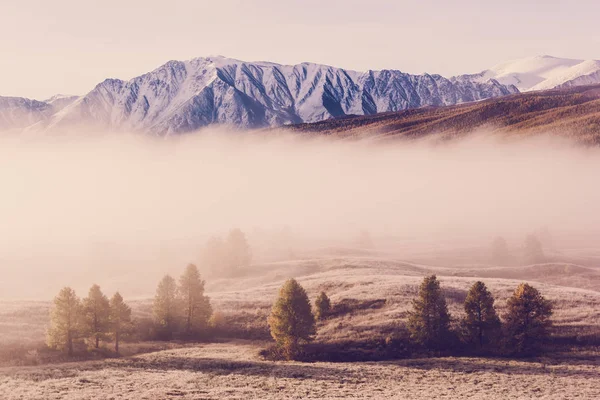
(233, 371)
(372, 292)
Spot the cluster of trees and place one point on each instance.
(227, 255)
(525, 324)
(526, 320)
(94, 319)
(532, 251)
(178, 308)
(181, 307)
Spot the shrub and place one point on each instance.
(322, 306)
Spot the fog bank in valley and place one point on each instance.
(121, 210)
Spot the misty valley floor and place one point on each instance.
(234, 371)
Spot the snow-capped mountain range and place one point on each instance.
(542, 73)
(183, 96)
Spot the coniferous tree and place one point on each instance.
(95, 315)
(527, 320)
(291, 321)
(120, 319)
(429, 322)
(481, 322)
(196, 306)
(65, 321)
(165, 308)
(322, 306)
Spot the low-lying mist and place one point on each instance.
(121, 210)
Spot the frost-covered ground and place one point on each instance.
(234, 371)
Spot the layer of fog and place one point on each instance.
(122, 210)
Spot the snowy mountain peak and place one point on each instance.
(543, 72)
(182, 96)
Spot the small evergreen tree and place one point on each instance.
(291, 321)
(95, 315)
(165, 307)
(322, 306)
(65, 321)
(196, 305)
(120, 319)
(481, 322)
(527, 320)
(429, 322)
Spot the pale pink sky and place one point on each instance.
(68, 46)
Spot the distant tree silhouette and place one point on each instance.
(322, 306)
(196, 306)
(364, 239)
(95, 315)
(527, 320)
(65, 321)
(291, 321)
(533, 251)
(214, 256)
(119, 319)
(499, 252)
(238, 250)
(481, 322)
(165, 308)
(429, 322)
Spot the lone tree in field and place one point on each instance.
(119, 319)
(196, 305)
(481, 323)
(527, 320)
(95, 315)
(65, 321)
(499, 251)
(292, 322)
(429, 322)
(533, 251)
(322, 306)
(165, 306)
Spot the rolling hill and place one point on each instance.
(567, 112)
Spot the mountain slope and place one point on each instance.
(182, 96)
(569, 112)
(543, 73)
(17, 113)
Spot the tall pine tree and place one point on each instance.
(196, 306)
(291, 321)
(165, 308)
(65, 321)
(429, 322)
(481, 323)
(527, 320)
(120, 319)
(95, 315)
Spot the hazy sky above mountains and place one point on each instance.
(68, 46)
